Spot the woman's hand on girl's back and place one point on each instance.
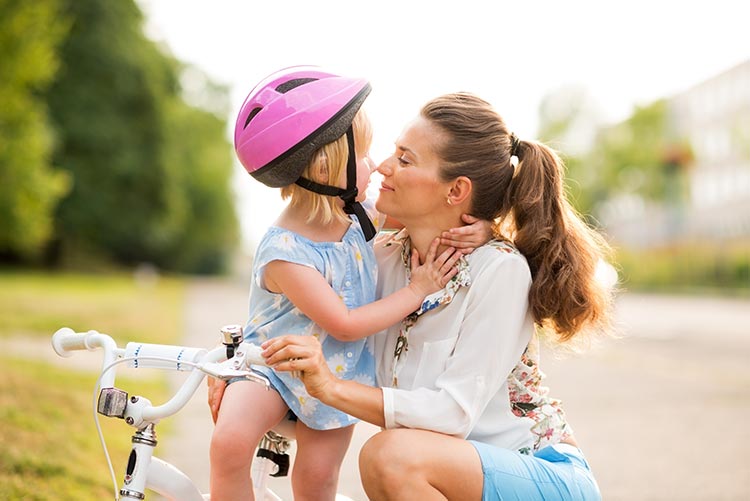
(216, 389)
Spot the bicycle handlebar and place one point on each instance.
(66, 340)
(145, 355)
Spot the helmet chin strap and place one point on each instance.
(348, 195)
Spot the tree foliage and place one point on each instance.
(147, 169)
(29, 187)
(568, 120)
(639, 156)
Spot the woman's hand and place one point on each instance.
(475, 233)
(292, 353)
(216, 389)
(435, 272)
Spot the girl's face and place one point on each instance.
(365, 167)
(411, 187)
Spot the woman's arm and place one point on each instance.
(309, 291)
(494, 332)
(303, 353)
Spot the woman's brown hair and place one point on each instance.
(529, 206)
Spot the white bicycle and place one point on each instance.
(144, 470)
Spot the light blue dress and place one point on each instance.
(349, 267)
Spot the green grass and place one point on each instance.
(50, 449)
(690, 269)
(50, 446)
(38, 304)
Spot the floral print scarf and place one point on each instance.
(435, 300)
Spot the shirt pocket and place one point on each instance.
(433, 361)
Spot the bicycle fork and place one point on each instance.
(146, 471)
(136, 472)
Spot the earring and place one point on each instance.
(448, 199)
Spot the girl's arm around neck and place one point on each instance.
(309, 291)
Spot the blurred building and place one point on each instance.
(714, 117)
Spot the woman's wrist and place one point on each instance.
(327, 392)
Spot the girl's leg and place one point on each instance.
(318, 461)
(407, 464)
(247, 411)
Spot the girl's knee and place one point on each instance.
(314, 480)
(231, 449)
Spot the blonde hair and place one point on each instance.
(327, 166)
(530, 209)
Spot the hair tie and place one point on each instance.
(514, 143)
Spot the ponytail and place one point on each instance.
(562, 251)
(519, 185)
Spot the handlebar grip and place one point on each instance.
(66, 340)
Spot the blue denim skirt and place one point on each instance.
(558, 472)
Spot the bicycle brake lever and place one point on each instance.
(225, 372)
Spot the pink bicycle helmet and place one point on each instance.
(291, 114)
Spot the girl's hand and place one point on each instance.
(475, 233)
(216, 389)
(435, 272)
(304, 354)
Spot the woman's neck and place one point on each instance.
(422, 235)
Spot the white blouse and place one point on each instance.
(454, 379)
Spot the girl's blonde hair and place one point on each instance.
(328, 166)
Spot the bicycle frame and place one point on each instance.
(144, 470)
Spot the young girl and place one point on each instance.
(314, 272)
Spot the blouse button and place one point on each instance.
(348, 283)
(350, 354)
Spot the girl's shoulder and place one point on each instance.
(280, 243)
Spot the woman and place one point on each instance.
(460, 379)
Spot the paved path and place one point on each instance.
(661, 413)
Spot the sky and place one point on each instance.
(623, 53)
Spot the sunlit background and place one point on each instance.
(573, 69)
(123, 208)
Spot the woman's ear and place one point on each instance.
(460, 190)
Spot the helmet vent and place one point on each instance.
(251, 116)
(292, 84)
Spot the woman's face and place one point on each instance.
(411, 188)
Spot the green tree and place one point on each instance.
(201, 161)
(29, 187)
(643, 156)
(117, 105)
(630, 156)
(568, 120)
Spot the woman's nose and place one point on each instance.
(385, 168)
